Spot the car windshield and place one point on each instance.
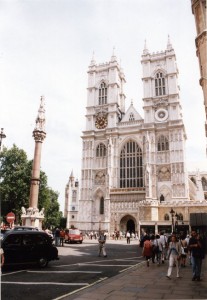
(74, 231)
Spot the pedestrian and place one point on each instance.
(62, 237)
(2, 257)
(57, 237)
(128, 237)
(174, 254)
(184, 251)
(147, 250)
(102, 242)
(163, 241)
(196, 246)
(158, 249)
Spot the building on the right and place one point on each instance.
(199, 11)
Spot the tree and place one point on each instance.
(15, 174)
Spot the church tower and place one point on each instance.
(133, 168)
(105, 107)
(164, 141)
(71, 201)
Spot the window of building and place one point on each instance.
(162, 198)
(180, 217)
(101, 206)
(74, 195)
(163, 144)
(101, 150)
(131, 167)
(131, 117)
(166, 217)
(159, 84)
(204, 183)
(102, 97)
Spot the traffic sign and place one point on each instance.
(10, 217)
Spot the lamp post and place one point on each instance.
(172, 212)
(2, 136)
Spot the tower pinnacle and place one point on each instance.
(145, 51)
(169, 45)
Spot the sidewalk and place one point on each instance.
(142, 282)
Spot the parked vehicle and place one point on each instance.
(3, 232)
(26, 228)
(28, 246)
(73, 236)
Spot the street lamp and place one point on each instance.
(172, 212)
(2, 136)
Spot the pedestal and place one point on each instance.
(32, 217)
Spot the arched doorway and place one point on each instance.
(130, 225)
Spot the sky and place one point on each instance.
(45, 49)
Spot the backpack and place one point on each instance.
(147, 245)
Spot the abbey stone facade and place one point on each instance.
(133, 168)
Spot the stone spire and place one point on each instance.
(145, 51)
(169, 45)
(113, 57)
(93, 62)
(40, 120)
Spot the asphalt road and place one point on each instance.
(78, 268)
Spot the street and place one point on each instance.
(78, 268)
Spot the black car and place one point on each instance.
(28, 247)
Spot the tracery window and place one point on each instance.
(101, 206)
(204, 183)
(160, 84)
(102, 97)
(101, 150)
(163, 144)
(131, 166)
(166, 217)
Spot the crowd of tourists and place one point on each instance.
(177, 250)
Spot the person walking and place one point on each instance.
(57, 237)
(196, 247)
(174, 254)
(128, 237)
(62, 237)
(2, 257)
(102, 242)
(158, 248)
(147, 250)
(184, 251)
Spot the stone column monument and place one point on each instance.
(32, 216)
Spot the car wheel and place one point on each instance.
(81, 242)
(43, 262)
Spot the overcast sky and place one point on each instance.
(45, 49)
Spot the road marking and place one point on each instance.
(13, 272)
(99, 265)
(86, 272)
(76, 291)
(133, 266)
(45, 283)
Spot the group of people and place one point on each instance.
(175, 250)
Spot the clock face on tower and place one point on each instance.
(161, 115)
(101, 122)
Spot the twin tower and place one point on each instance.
(133, 167)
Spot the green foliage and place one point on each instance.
(15, 174)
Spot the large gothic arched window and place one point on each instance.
(102, 96)
(204, 183)
(101, 150)
(131, 168)
(163, 144)
(160, 84)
